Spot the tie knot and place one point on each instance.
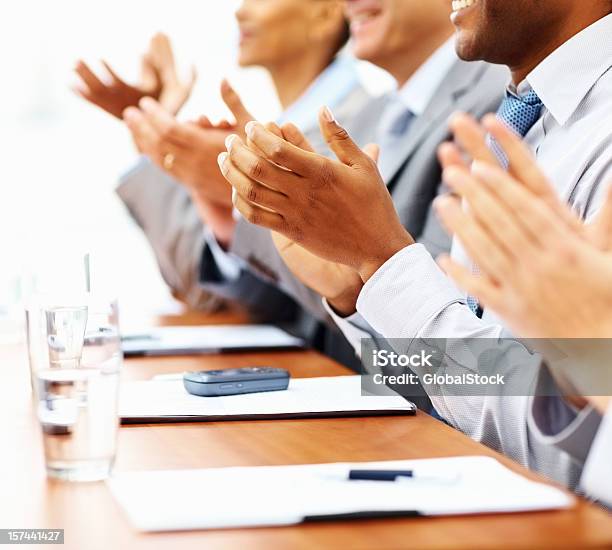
(395, 119)
(520, 112)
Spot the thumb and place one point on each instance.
(338, 139)
(373, 151)
(235, 105)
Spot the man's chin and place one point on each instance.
(466, 46)
(366, 51)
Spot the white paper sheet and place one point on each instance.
(284, 495)
(334, 394)
(207, 339)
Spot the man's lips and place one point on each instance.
(361, 19)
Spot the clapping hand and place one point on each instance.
(541, 268)
(338, 210)
(159, 80)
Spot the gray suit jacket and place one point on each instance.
(164, 211)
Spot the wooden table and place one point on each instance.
(92, 520)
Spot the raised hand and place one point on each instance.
(113, 94)
(159, 80)
(185, 150)
(339, 210)
(174, 90)
(541, 269)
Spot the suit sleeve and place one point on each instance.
(255, 247)
(169, 220)
(263, 299)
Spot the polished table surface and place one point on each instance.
(93, 520)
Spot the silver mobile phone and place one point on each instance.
(214, 383)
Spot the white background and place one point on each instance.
(60, 158)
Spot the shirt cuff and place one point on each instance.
(354, 327)
(229, 265)
(405, 293)
(554, 422)
(596, 478)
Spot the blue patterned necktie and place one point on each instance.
(519, 113)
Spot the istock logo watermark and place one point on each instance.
(386, 358)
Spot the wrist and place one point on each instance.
(218, 218)
(345, 304)
(370, 266)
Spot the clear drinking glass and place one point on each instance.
(75, 359)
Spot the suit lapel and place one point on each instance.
(458, 80)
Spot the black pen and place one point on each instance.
(395, 475)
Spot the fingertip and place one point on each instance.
(221, 159)
(446, 149)
(250, 129)
(451, 173)
(229, 142)
(130, 114)
(442, 202)
(327, 115)
(456, 118)
(275, 129)
(289, 127)
(490, 121)
(146, 103)
(482, 168)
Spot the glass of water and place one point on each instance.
(75, 354)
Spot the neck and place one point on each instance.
(406, 63)
(537, 54)
(293, 77)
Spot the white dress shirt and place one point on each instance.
(596, 478)
(416, 94)
(410, 297)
